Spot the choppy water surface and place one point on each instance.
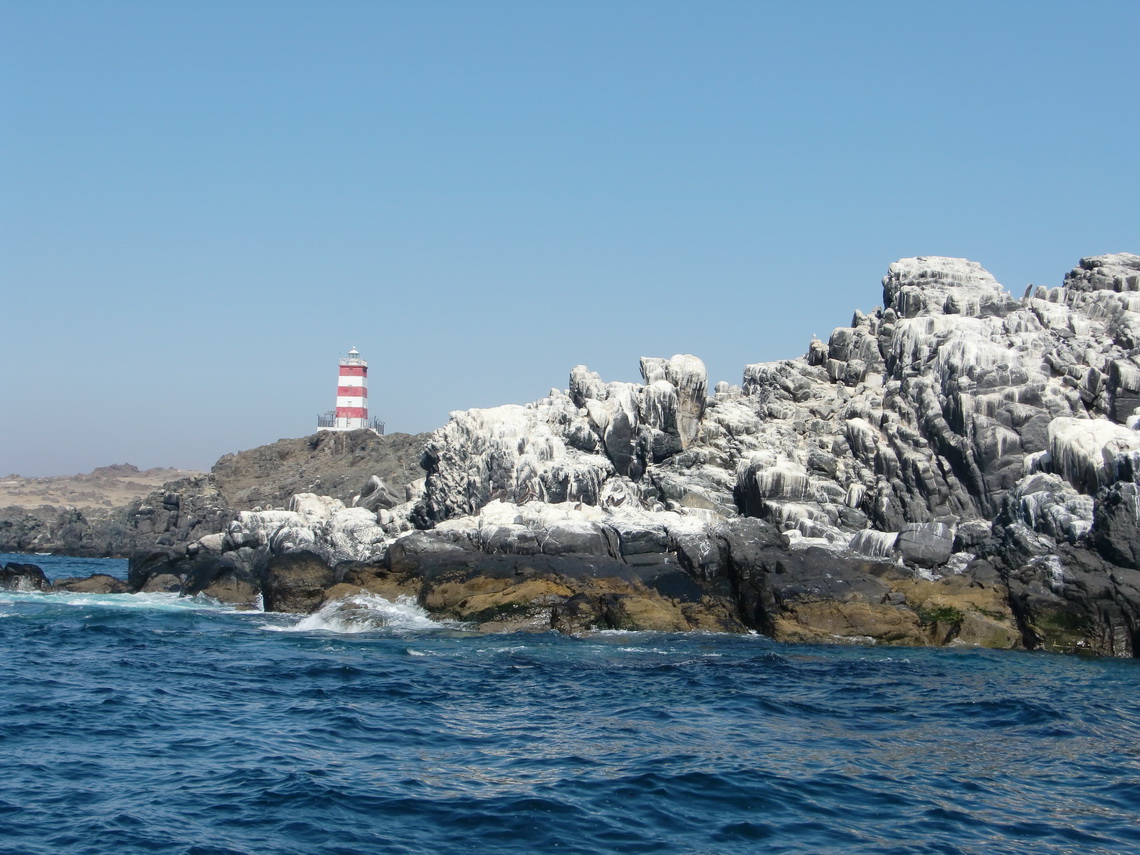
(151, 724)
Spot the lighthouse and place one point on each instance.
(351, 411)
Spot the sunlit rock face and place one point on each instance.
(917, 434)
(930, 409)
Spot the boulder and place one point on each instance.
(925, 544)
(375, 496)
(295, 582)
(155, 570)
(227, 578)
(97, 583)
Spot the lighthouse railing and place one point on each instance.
(329, 420)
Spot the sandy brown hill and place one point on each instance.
(105, 487)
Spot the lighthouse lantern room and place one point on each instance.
(351, 411)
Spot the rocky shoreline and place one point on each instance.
(196, 504)
(958, 466)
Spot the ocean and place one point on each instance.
(146, 723)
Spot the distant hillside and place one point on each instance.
(105, 487)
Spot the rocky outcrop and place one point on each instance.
(332, 463)
(16, 576)
(69, 531)
(955, 466)
(181, 512)
(928, 435)
(295, 582)
(98, 583)
(353, 467)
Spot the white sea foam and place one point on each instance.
(151, 601)
(363, 612)
(620, 633)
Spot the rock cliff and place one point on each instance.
(956, 465)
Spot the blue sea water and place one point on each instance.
(146, 723)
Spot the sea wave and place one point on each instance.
(364, 612)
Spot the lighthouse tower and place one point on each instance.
(351, 398)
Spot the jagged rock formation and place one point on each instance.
(954, 425)
(956, 465)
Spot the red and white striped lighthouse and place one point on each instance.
(351, 398)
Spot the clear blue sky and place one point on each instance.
(203, 205)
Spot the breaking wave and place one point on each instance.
(364, 612)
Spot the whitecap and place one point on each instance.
(150, 601)
(516, 648)
(363, 612)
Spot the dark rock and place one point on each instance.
(97, 583)
(295, 582)
(971, 534)
(925, 544)
(640, 541)
(580, 613)
(618, 439)
(577, 540)
(162, 583)
(1073, 601)
(153, 570)
(1116, 526)
(228, 578)
(375, 495)
(23, 577)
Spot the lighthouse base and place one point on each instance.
(330, 422)
(377, 431)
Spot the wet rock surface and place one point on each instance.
(16, 576)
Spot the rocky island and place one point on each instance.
(956, 466)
